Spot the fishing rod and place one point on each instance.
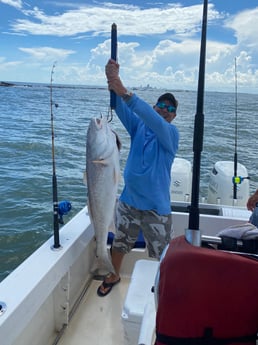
(54, 179)
(114, 57)
(236, 179)
(193, 233)
(235, 154)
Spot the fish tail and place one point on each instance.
(102, 266)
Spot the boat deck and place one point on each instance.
(126, 316)
(98, 319)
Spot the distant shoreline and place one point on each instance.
(3, 83)
(62, 86)
(98, 87)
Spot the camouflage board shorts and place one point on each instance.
(157, 230)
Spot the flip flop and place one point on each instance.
(108, 286)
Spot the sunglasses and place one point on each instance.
(170, 108)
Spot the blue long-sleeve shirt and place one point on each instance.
(154, 143)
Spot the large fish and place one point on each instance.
(102, 177)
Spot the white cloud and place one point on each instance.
(47, 53)
(96, 20)
(4, 64)
(13, 3)
(244, 25)
(163, 52)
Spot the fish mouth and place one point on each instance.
(98, 122)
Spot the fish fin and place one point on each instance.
(85, 177)
(116, 176)
(112, 227)
(102, 266)
(118, 141)
(103, 161)
(89, 211)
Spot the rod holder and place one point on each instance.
(3, 308)
(193, 237)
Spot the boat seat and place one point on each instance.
(206, 296)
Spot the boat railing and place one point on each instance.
(244, 247)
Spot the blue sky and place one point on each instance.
(158, 42)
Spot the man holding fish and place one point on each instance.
(145, 200)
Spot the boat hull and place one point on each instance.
(42, 294)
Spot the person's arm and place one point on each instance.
(114, 82)
(166, 133)
(251, 203)
(126, 115)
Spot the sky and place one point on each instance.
(158, 42)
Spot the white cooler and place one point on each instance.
(140, 299)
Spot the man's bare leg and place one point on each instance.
(117, 258)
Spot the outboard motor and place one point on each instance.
(220, 189)
(181, 180)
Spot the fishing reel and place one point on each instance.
(239, 179)
(64, 207)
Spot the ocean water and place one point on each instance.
(26, 214)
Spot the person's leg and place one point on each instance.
(157, 231)
(111, 278)
(117, 258)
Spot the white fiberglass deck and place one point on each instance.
(126, 316)
(98, 319)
